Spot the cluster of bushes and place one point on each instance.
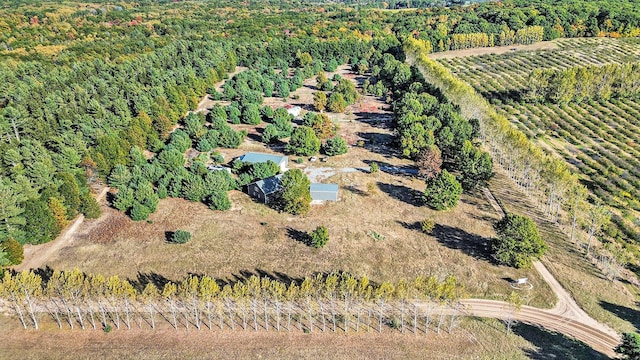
(280, 126)
(343, 93)
(141, 185)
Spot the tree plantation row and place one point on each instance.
(591, 126)
(325, 302)
(515, 68)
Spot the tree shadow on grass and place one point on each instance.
(143, 279)
(471, 244)
(402, 193)
(353, 189)
(298, 235)
(411, 225)
(551, 345)
(245, 275)
(625, 313)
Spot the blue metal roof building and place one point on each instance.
(256, 157)
(325, 192)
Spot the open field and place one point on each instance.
(600, 140)
(253, 239)
(473, 339)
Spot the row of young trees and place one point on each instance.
(525, 36)
(336, 301)
(545, 179)
(583, 83)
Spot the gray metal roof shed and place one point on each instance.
(327, 192)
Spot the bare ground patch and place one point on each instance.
(543, 45)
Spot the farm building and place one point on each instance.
(324, 192)
(265, 190)
(255, 157)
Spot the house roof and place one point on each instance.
(270, 184)
(316, 187)
(255, 157)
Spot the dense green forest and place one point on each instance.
(88, 88)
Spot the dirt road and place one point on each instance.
(36, 256)
(592, 336)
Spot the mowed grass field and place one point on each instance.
(599, 139)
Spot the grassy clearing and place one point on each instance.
(253, 239)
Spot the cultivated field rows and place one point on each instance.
(600, 139)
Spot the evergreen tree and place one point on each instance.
(335, 146)
(629, 348)
(15, 253)
(442, 191)
(303, 142)
(40, 226)
(319, 237)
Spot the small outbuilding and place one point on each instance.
(324, 192)
(256, 157)
(266, 190)
(293, 110)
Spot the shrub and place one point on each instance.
(373, 168)
(14, 251)
(319, 237)
(427, 226)
(180, 237)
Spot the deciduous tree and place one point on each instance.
(518, 241)
(296, 195)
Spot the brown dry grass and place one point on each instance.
(251, 238)
(473, 339)
(612, 303)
